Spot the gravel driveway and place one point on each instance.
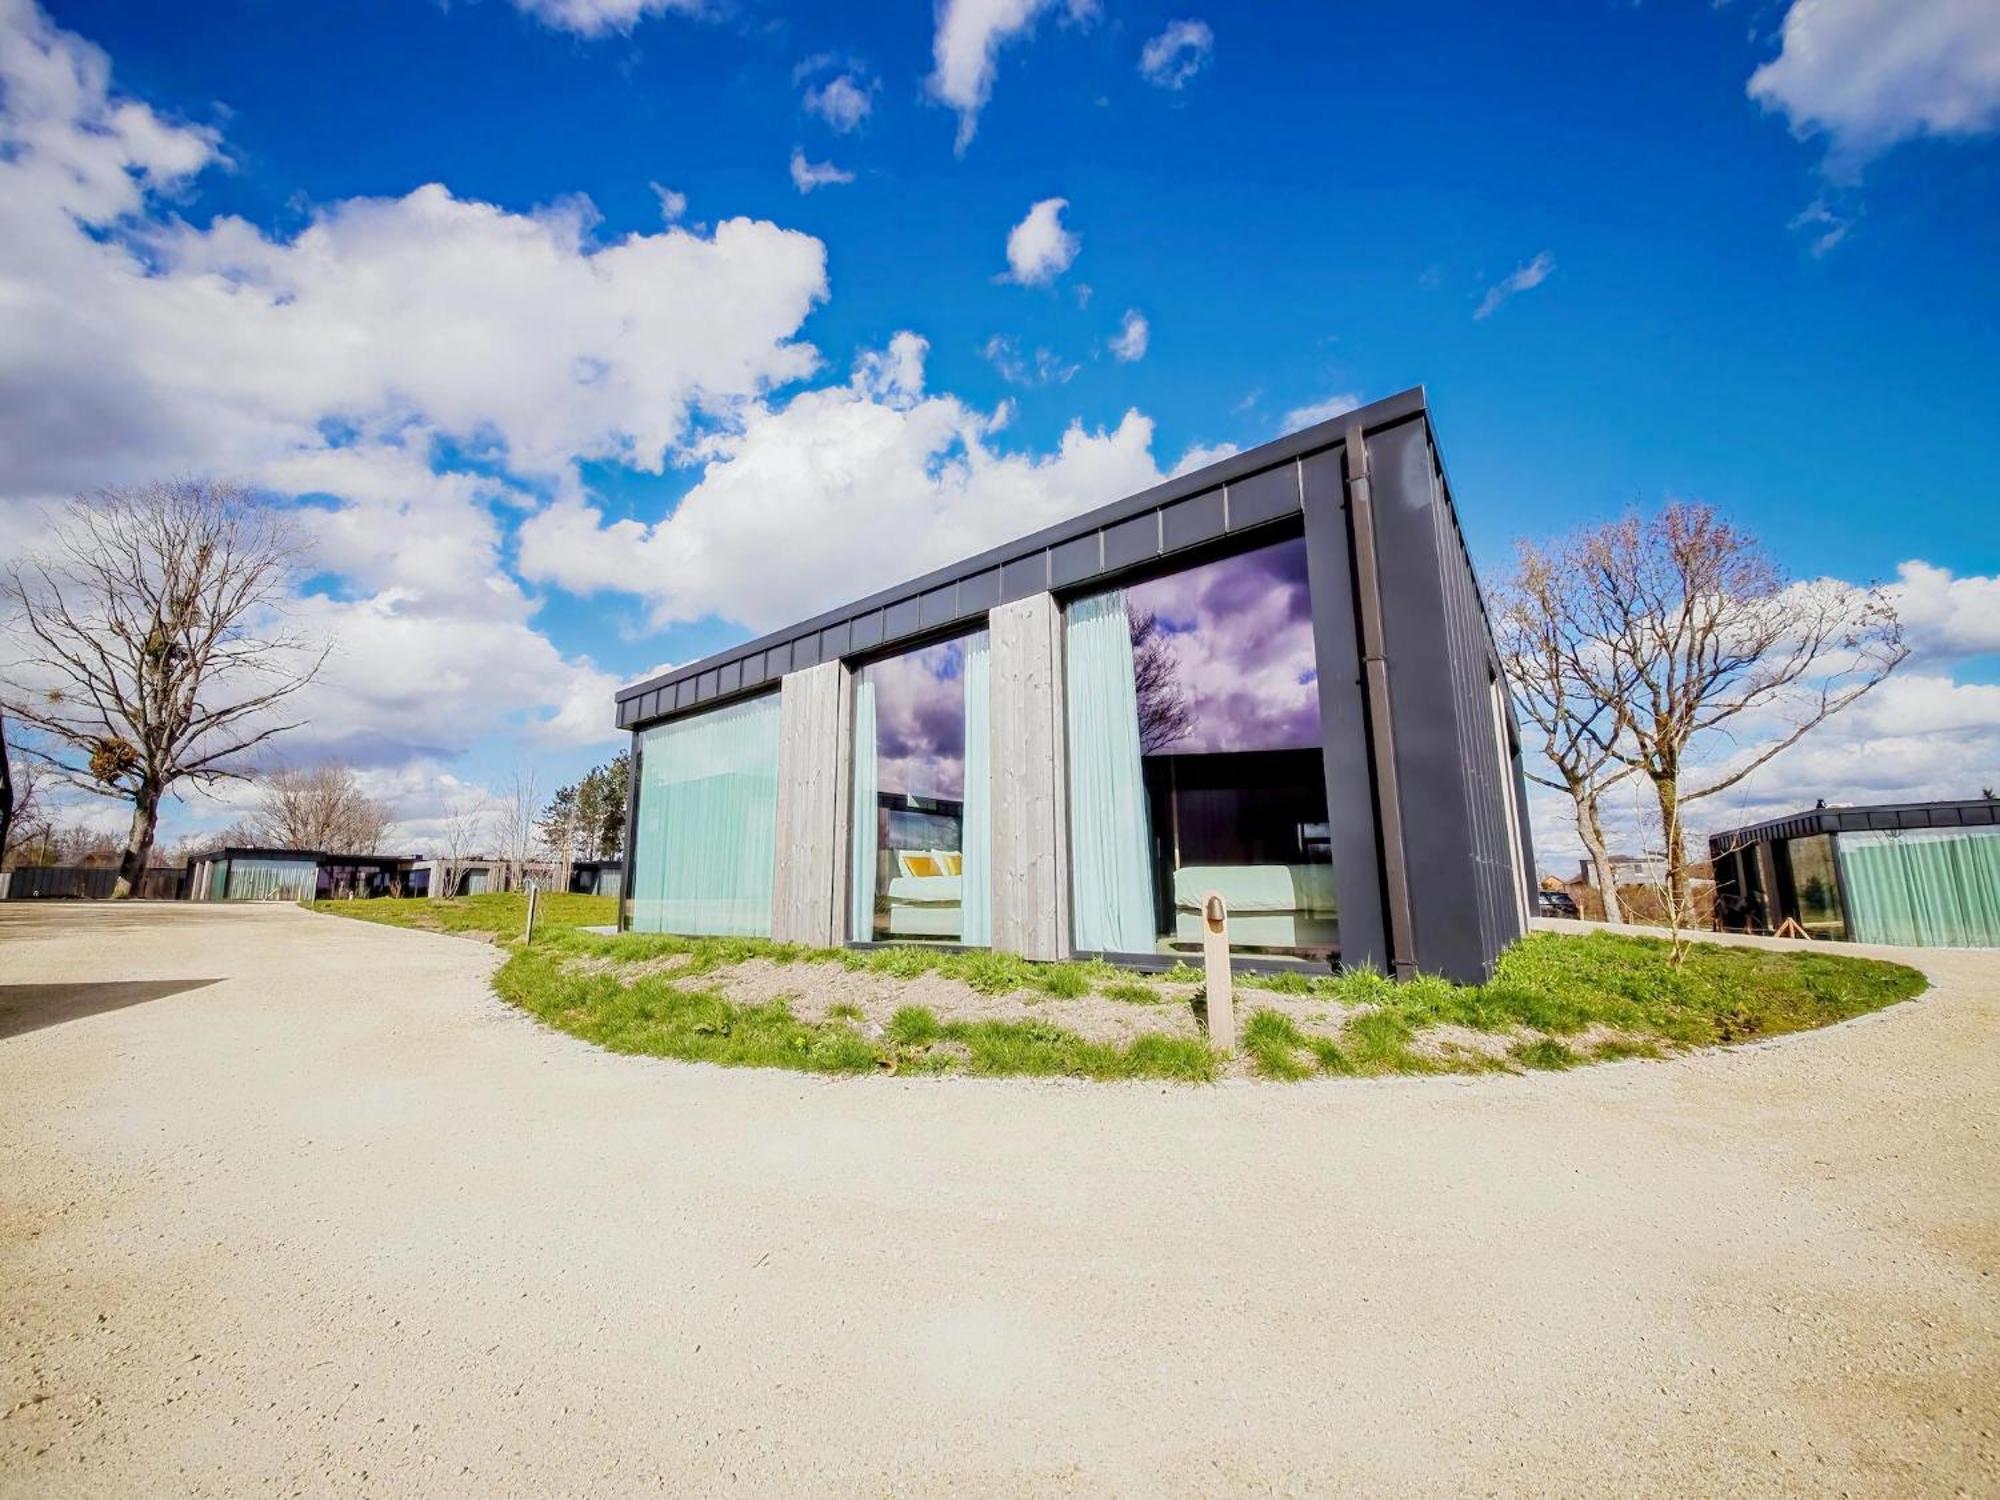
(294, 1205)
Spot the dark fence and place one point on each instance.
(89, 883)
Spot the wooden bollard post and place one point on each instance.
(1215, 957)
(533, 891)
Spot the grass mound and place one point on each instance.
(1555, 1002)
(662, 1015)
(1555, 986)
(499, 914)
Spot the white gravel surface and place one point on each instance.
(292, 1205)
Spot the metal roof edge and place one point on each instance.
(1390, 411)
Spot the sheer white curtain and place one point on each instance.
(862, 857)
(1111, 846)
(708, 822)
(976, 841)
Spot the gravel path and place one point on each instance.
(293, 1205)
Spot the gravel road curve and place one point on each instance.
(292, 1205)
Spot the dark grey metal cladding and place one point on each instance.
(1441, 667)
(1239, 494)
(1350, 791)
(1882, 817)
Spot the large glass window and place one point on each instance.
(1194, 760)
(706, 844)
(922, 854)
(1816, 886)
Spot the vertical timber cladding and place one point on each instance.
(808, 896)
(1447, 766)
(1030, 882)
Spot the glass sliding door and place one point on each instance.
(1194, 760)
(1932, 888)
(1816, 885)
(920, 865)
(706, 844)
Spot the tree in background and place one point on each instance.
(1540, 644)
(1165, 716)
(586, 820)
(462, 836)
(515, 822)
(1684, 653)
(1693, 633)
(27, 834)
(147, 648)
(323, 808)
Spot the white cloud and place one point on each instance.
(1134, 333)
(1039, 248)
(137, 343)
(1521, 279)
(1827, 225)
(594, 18)
(1869, 73)
(1946, 617)
(1200, 456)
(965, 48)
(807, 175)
(1044, 367)
(673, 205)
(1320, 411)
(888, 480)
(1170, 59)
(347, 363)
(843, 99)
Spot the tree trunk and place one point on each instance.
(1667, 788)
(6, 789)
(138, 849)
(1591, 831)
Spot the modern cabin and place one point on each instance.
(1907, 874)
(1271, 679)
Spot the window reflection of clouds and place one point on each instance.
(1241, 632)
(920, 722)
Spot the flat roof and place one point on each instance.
(300, 856)
(1186, 511)
(1981, 812)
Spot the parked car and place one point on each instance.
(1556, 904)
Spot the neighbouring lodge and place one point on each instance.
(1909, 874)
(238, 873)
(1271, 679)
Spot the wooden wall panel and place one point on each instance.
(813, 757)
(1030, 781)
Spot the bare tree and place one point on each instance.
(1690, 632)
(516, 818)
(324, 808)
(149, 653)
(1541, 646)
(462, 837)
(1165, 716)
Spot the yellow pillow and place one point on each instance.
(917, 864)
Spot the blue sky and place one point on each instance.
(1784, 305)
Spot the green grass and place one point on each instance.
(1554, 986)
(658, 1015)
(503, 914)
(1131, 992)
(650, 993)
